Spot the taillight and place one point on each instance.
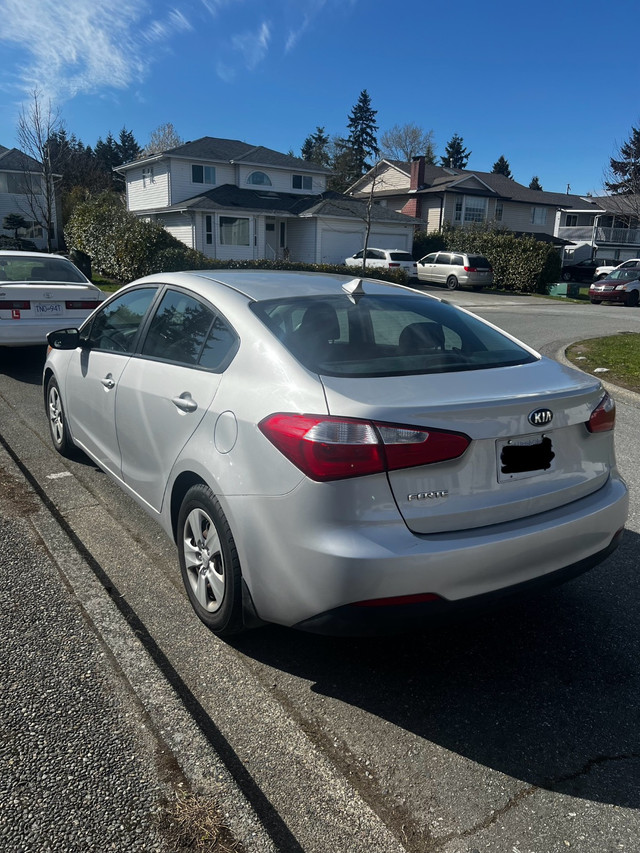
(603, 417)
(326, 448)
(392, 264)
(15, 304)
(89, 304)
(470, 269)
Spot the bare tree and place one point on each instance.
(38, 125)
(404, 142)
(163, 138)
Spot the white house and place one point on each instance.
(20, 175)
(235, 201)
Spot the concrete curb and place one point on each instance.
(614, 390)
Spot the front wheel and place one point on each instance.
(566, 276)
(209, 562)
(57, 421)
(596, 301)
(632, 299)
(452, 282)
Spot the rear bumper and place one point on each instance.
(27, 333)
(353, 620)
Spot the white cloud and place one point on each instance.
(73, 46)
(253, 46)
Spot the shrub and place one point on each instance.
(520, 263)
(425, 242)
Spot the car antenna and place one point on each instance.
(354, 290)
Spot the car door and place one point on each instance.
(441, 267)
(94, 372)
(426, 267)
(166, 389)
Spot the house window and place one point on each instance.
(572, 220)
(259, 179)
(302, 182)
(208, 230)
(234, 231)
(538, 215)
(203, 174)
(20, 184)
(470, 209)
(147, 176)
(499, 211)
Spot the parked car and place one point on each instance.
(386, 259)
(337, 455)
(622, 286)
(455, 269)
(39, 292)
(582, 271)
(605, 268)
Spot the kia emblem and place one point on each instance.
(541, 417)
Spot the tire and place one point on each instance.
(596, 301)
(57, 421)
(632, 299)
(566, 276)
(209, 562)
(452, 282)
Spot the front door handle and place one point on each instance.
(108, 381)
(185, 402)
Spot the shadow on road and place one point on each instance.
(23, 363)
(546, 691)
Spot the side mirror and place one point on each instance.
(64, 339)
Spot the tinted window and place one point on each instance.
(375, 254)
(219, 345)
(430, 259)
(479, 262)
(178, 329)
(359, 254)
(401, 256)
(44, 268)
(444, 258)
(386, 335)
(456, 260)
(115, 327)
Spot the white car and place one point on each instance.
(337, 454)
(385, 259)
(40, 292)
(604, 270)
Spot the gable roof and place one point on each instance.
(13, 160)
(229, 197)
(231, 151)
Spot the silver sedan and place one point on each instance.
(338, 455)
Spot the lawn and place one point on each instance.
(619, 354)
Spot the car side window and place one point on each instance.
(430, 259)
(219, 346)
(359, 254)
(115, 327)
(456, 260)
(443, 258)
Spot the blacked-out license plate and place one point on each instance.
(524, 456)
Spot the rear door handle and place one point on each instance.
(185, 402)
(108, 381)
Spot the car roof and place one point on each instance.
(260, 285)
(19, 253)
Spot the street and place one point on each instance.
(513, 731)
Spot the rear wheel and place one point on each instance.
(57, 421)
(209, 562)
(596, 301)
(566, 276)
(452, 282)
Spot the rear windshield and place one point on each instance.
(479, 262)
(400, 256)
(396, 334)
(14, 268)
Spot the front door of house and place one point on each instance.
(275, 238)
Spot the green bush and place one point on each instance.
(124, 247)
(425, 242)
(520, 264)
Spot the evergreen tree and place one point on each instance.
(362, 138)
(14, 222)
(535, 183)
(107, 154)
(624, 169)
(455, 154)
(501, 167)
(315, 148)
(127, 147)
(342, 164)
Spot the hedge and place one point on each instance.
(124, 247)
(520, 263)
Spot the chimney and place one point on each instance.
(417, 173)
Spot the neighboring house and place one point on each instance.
(19, 174)
(613, 233)
(235, 201)
(437, 195)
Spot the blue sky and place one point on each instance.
(545, 84)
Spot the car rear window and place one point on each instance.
(400, 256)
(24, 269)
(395, 334)
(478, 262)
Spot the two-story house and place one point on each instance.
(235, 201)
(20, 179)
(437, 195)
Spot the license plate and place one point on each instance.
(525, 456)
(48, 307)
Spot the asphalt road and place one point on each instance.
(517, 731)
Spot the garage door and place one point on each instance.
(338, 245)
(389, 240)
